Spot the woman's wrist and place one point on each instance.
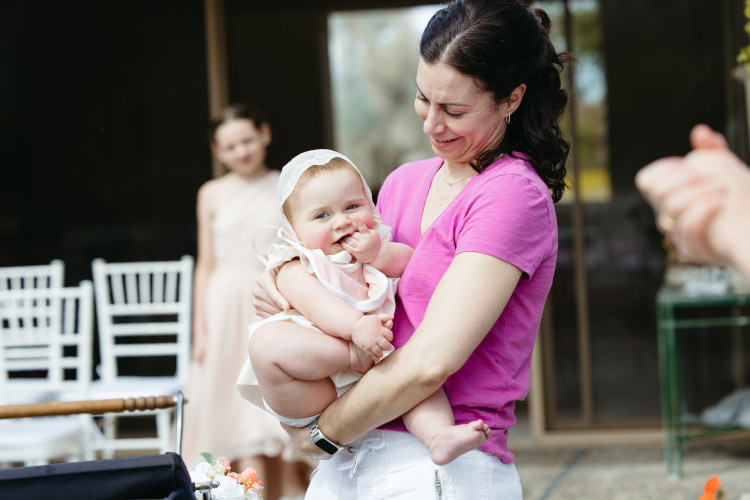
(321, 441)
(327, 426)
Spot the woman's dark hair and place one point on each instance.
(235, 112)
(501, 44)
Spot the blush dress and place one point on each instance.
(217, 419)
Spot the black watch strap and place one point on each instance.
(321, 441)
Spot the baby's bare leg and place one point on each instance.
(293, 364)
(431, 421)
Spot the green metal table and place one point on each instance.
(669, 303)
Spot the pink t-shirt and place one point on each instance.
(507, 212)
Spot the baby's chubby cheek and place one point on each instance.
(368, 221)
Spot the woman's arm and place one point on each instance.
(466, 303)
(204, 267)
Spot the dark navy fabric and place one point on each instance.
(150, 477)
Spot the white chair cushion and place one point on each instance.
(35, 431)
(29, 397)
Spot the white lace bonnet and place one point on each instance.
(292, 171)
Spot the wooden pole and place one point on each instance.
(95, 407)
(216, 59)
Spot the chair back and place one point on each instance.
(45, 341)
(143, 310)
(25, 277)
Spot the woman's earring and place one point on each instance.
(507, 118)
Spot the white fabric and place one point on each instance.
(316, 262)
(381, 292)
(332, 271)
(36, 441)
(29, 397)
(305, 421)
(732, 410)
(294, 422)
(41, 430)
(279, 253)
(292, 171)
(396, 465)
(247, 382)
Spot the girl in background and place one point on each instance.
(230, 210)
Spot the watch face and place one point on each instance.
(320, 440)
(326, 446)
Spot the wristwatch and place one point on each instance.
(321, 441)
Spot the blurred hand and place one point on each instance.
(700, 200)
(198, 351)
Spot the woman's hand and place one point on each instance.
(267, 300)
(301, 439)
(198, 351)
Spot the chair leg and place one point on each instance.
(89, 435)
(164, 430)
(110, 435)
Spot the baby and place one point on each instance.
(338, 269)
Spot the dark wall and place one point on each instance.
(104, 111)
(103, 107)
(277, 59)
(277, 56)
(668, 68)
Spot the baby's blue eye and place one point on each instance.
(321, 215)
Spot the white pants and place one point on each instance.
(395, 465)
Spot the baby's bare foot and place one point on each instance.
(359, 361)
(452, 441)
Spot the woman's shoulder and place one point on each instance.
(513, 163)
(511, 178)
(515, 166)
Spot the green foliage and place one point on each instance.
(744, 55)
(208, 457)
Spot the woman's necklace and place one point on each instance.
(444, 197)
(450, 184)
(449, 196)
(456, 181)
